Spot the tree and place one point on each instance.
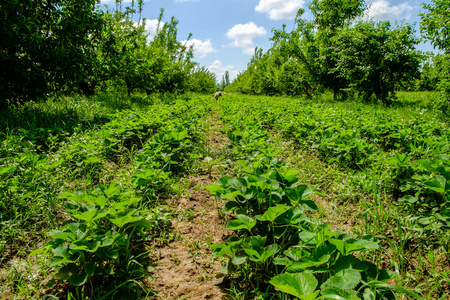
(227, 78)
(374, 57)
(429, 73)
(298, 53)
(45, 46)
(310, 43)
(330, 17)
(202, 80)
(435, 26)
(129, 62)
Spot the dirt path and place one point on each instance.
(184, 268)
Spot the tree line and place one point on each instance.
(72, 46)
(340, 51)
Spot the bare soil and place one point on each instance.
(184, 268)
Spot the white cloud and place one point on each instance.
(380, 10)
(217, 68)
(201, 48)
(151, 27)
(280, 9)
(243, 35)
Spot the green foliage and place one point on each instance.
(127, 60)
(61, 46)
(202, 80)
(277, 242)
(334, 52)
(277, 245)
(121, 161)
(435, 26)
(373, 58)
(403, 153)
(46, 47)
(102, 243)
(429, 75)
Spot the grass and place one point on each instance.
(34, 137)
(67, 144)
(414, 254)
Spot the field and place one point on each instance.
(184, 197)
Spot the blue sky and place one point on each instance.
(225, 32)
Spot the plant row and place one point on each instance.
(278, 247)
(98, 191)
(407, 156)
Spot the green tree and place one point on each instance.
(311, 45)
(329, 17)
(297, 51)
(46, 46)
(170, 60)
(374, 57)
(429, 73)
(227, 78)
(201, 80)
(435, 26)
(128, 61)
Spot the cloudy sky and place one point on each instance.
(226, 32)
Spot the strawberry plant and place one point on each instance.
(102, 242)
(276, 243)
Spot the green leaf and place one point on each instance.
(89, 268)
(364, 245)
(100, 201)
(125, 220)
(273, 212)
(308, 205)
(300, 285)
(214, 188)
(282, 261)
(79, 230)
(305, 263)
(336, 293)
(112, 253)
(62, 250)
(239, 259)
(113, 189)
(239, 184)
(37, 251)
(72, 197)
(230, 195)
(4, 170)
(307, 236)
(102, 214)
(409, 199)
(438, 184)
(229, 247)
(268, 252)
(344, 279)
(368, 294)
(323, 252)
(58, 234)
(78, 279)
(57, 261)
(299, 193)
(66, 271)
(87, 216)
(231, 205)
(242, 222)
(350, 262)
